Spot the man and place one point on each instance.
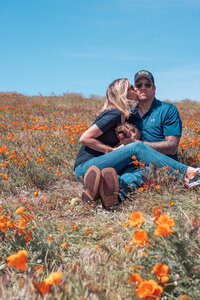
(159, 122)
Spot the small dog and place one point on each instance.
(125, 131)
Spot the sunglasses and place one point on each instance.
(147, 84)
(131, 87)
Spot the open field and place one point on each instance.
(71, 250)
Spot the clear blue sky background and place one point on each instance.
(81, 46)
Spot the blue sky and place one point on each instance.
(81, 46)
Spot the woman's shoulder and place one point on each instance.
(110, 112)
(108, 116)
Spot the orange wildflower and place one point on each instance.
(5, 177)
(135, 278)
(136, 219)
(165, 219)
(98, 246)
(136, 162)
(142, 164)
(176, 171)
(20, 210)
(75, 227)
(40, 159)
(3, 223)
(149, 288)
(64, 245)
(0, 208)
(22, 222)
(157, 213)
(28, 236)
(88, 230)
(35, 194)
(18, 260)
(163, 229)
(157, 187)
(11, 224)
(134, 157)
(140, 190)
(128, 248)
(43, 287)
(172, 203)
(58, 174)
(161, 270)
(54, 278)
(140, 238)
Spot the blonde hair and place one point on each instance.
(116, 96)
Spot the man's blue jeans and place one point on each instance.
(122, 157)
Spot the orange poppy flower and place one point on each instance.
(148, 288)
(22, 222)
(88, 230)
(35, 194)
(75, 227)
(165, 219)
(20, 210)
(64, 245)
(40, 160)
(28, 236)
(140, 190)
(0, 208)
(140, 238)
(135, 278)
(18, 260)
(176, 171)
(172, 203)
(136, 219)
(163, 229)
(157, 213)
(54, 278)
(43, 287)
(161, 270)
(5, 177)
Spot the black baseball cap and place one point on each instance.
(143, 73)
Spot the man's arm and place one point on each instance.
(169, 146)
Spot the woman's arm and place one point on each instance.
(89, 139)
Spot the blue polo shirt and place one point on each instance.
(160, 120)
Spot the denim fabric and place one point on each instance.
(122, 157)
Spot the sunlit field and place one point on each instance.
(54, 246)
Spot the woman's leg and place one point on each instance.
(122, 157)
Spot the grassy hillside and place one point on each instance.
(72, 250)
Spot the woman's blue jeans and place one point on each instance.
(122, 157)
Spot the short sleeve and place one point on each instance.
(108, 119)
(172, 122)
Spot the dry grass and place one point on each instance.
(95, 264)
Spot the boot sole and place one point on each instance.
(91, 182)
(109, 188)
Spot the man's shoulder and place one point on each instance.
(163, 105)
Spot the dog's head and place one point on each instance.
(126, 130)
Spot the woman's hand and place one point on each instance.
(89, 139)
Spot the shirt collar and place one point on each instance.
(153, 105)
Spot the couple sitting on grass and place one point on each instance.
(104, 162)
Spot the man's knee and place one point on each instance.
(136, 147)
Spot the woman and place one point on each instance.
(106, 168)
